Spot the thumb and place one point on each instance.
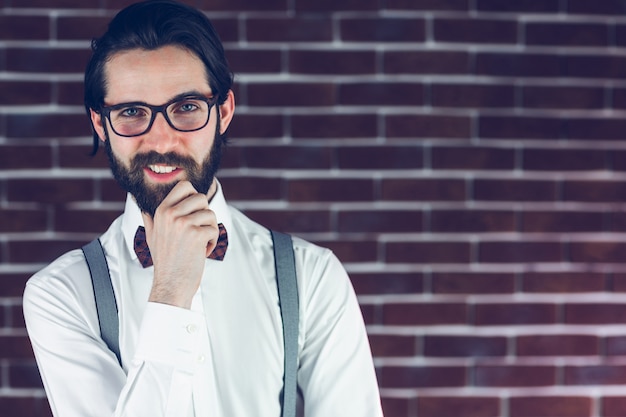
(148, 223)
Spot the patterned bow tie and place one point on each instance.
(143, 252)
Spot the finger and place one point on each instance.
(181, 190)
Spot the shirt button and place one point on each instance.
(192, 328)
(201, 359)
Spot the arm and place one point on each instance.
(81, 375)
(336, 374)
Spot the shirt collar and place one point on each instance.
(132, 219)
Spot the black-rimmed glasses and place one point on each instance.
(185, 114)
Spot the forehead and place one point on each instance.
(153, 76)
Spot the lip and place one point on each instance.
(162, 177)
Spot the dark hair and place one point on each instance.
(150, 25)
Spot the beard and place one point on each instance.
(149, 196)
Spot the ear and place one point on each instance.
(96, 123)
(227, 110)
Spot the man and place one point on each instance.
(198, 336)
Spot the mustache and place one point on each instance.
(153, 157)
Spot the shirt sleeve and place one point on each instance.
(336, 373)
(81, 375)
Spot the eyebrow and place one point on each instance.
(180, 96)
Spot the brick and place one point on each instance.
(18, 406)
(562, 221)
(84, 221)
(256, 126)
(296, 29)
(70, 93)
(64, 4)
(30, 126)
(514, 190)
(238, 5)
(593, 66)
(594, 191)
(25, 92)
(514, 375)
(464, 346)
(598, 251)
(380, 94)
(423, 189)
(473, 95)
(458, 406)
(613, 406)
(496, 314)
(472, 158)
(111, 191)
(24, 375)
(379, 221)
(48, 60)
(81, 27)
(396, 406)
(467, 220)
(16, 221)
(287, 157)
(17, 318)
(12, 284)
(18, 28)
(553, 406)
(604, 128)
(380, 157)
(252, 188)
(451, 5)
(80, 157)
(557, 345)
(475, 30)
(562, 97)
(254, 61)
(519, 127)
(566, 34)
(422, 376)
(473, 283)
(333, 126)
(615, 345)
(608, 7)
(362, 250)
(618, 282)
(382, 29)
(520, 252)
(620, 34)
(526, 6)
(300, 221)
(594, 375)
(392, 345)
(330, 190)
(563, 282)
(291, 94)
(428, 126)
(369, 313)
(386, 283)
(564, 159)
(41, 251)
(336, 5)
(427, 252)
(15, 347)
(517, 64)
(53, 190)
(595, 313)
(25, 157)
(331, 62)
(424, 314)
(426, 62)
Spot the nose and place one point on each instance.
(161, 137)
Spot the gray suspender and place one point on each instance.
(284, 259)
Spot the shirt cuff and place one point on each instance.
(170, 335)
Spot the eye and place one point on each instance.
(132, 112)
(186, 106)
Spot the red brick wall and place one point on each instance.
(464, 158)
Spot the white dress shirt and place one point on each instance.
(222, 358)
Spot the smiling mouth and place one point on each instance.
(162, 169)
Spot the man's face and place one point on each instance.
(148, 166)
